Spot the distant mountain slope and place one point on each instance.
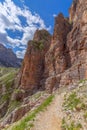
(8, 58)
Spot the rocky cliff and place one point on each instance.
(63, 59)
(77, 44)
(34, 61)
(8, 58)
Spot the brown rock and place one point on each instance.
(55, 58)
(33, 64)
(62, 62)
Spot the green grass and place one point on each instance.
(38, 45)
(71, 102)
(12, 105)
(8, 78)
(24, 123)
(82, 81)
(70, 126)
(5, 97)
(75, 102)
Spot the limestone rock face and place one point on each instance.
(70, 65)
(77, 42)
(62, 59)
(77, 39)
(33, 64)
(55, 58)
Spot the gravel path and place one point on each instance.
(51, 118)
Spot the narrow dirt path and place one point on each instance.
(52, 117)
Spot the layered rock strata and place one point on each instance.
(34, 61)
(62, 59)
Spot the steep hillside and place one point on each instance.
(66, 112)
(8, 58)
(7, 76)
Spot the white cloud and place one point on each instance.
(20, 54)
(54, 15)
(9, 20)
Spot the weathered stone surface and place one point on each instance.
(77, 40)
(33, 64)
(29, 103)
(64, 62)
(67, 58)
(55, 58)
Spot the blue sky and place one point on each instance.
(20, 18)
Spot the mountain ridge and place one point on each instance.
(8, 57)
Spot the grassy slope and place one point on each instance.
(75, 108)
(27, 121)
(74, 105)
(7, 76)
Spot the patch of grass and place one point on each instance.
(7, 76)
(7, 79)
(71, 102)
(19, 91)
(5, 97)
(83, 81)
(71, 126)
(38, 45)
(24, 123)
(13, 105)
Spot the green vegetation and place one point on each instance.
(38, 45)
(75, 108)
(82, 81)
(24, 123)
(5, 97)
(12, 105)
(71, 126)
(19, 91)
(71, 102)
(8, 77)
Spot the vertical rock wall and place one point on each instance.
(33, 65)
(62, 59)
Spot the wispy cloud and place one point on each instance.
(20, 54)
(10, 20)
(54, 15)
